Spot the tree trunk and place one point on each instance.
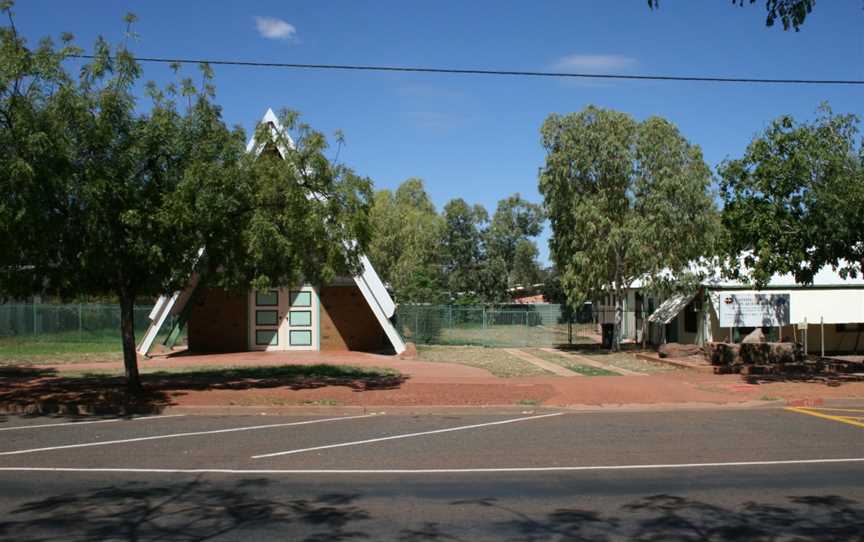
(644, 323)
(616, 329)
(127, 329)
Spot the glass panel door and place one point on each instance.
(267, 310)
(284, 319)
(302, 319)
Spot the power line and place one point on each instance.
(516, 73)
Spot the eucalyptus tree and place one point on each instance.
(627, 200)
(792, 203)
(102, 198)
(462, 247)
(407, 233)
(509, 234)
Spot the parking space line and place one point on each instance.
(138, 418)
(177, 435)
(406, 435)
(842, 419)
(443, 470)
(161, 416)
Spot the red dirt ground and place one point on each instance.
(427, 384)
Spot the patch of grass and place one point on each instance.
(587, 370)
(230, 372)
(504, 335)
(626, 360)
(320, 402)
(528, 402)
(571, 364)
(497, 362)
(17, 351)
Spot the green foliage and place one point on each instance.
(526, 271)
(514, 221)
(627, 200)
(101, 198)
(459, 256)
(406, 241)
(482, 258)
(791, 13)
(792, 203)
(462, 249)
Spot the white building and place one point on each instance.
(829, 310)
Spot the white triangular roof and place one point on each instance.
(367, 281)
(270, 119)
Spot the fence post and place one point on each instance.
(806, 336)
(822, 326)
(80, 325)
(483, 324)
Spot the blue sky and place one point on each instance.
(477, 137)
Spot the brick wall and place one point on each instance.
(347, 322)
(217, 321)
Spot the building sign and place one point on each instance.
(753, 310)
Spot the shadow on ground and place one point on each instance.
(31, 390)
(202, 509)
(189, 511)
(675, 518)
(831, 380)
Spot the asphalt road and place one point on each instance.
(728, 474)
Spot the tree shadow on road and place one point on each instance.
(669, 518)
(195, 510)
(46, 391)
(203, 509)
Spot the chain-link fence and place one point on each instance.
(496, 325)
(81, 322)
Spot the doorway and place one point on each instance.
(284, 319)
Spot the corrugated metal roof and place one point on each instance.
(669, 309)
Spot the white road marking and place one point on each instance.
(143, 418)
(176, 435)
(441, 471)
(407, 435)
(139, 418)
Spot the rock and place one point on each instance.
(723, 353)
(769, 353)
(754, 337)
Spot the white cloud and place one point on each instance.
(274, 28)
(593, 63)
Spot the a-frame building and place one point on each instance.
(351, 313)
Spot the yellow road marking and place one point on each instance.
(837, 409)
(840, 419)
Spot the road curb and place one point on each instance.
(460, 410)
